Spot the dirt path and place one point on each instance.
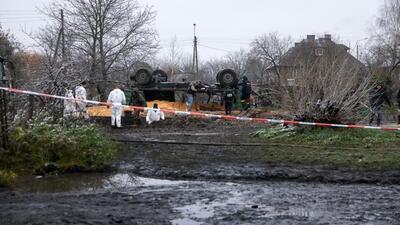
(222, 150)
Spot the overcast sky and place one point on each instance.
(224, 26)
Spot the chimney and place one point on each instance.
(310, 38)
(328, 37)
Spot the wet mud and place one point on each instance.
(224, 150)
(127, 199)
(161, 180)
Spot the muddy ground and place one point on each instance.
(201, 149)
(126, 199)
(197, 177)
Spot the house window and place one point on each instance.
(319, 51)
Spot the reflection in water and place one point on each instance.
(61, 183)
(184, 221)
(272, 212)
(87, 182)
(197, 202)
(207, 208)
(125, 180)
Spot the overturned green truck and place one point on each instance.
(154, 86)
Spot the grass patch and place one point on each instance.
(43, 147)
(350, 148)
(338, 137)
(7, 178)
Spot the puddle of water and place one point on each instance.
(125, 180)
(298, 212)
(199, 210)
(206, 208)
(62, 183)
(87, 182)
(184, 221)
(205, 202)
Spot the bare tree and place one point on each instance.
(8, 45)
(263, 63)
(384, 49)
(58, 75)
(105, 33)
(171, 62)
(211, 67)
(237, 61)
(268, 50)
(175, 55)
(328, 90)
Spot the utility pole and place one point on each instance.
(357, 47)
(3, 107)
(62, 35)
(3, 119)
(195, 66)
(60, 38)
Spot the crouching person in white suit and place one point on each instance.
(117, 99)
(154, 114)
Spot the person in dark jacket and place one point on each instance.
(190, 94)
(378, 96)
(229, 100)
(137, 99)
(245, 98)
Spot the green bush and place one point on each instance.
(7, 178)
(59, 147)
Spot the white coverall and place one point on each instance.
(69, 104)
(117, 99)
(80, 93)
(154, 115)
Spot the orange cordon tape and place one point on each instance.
(206, 115)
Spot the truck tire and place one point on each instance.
(142, 77)
(160, 75)
(227, 78)
(218, 76)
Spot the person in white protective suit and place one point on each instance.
(80, 94)
(117, 99)
(154, 114)
(69, 104)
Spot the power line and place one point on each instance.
(213, 48)
(17, 10)
(230, 41)
(20, 18)
(227, 39)
(23, 21)
(21, 14)
(183, 40)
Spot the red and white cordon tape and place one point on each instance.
(206, 115)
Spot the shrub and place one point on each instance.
(7, 178)
(61, 147)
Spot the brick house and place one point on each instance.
(313, 52)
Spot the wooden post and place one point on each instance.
(30, 106)
(3, 119)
